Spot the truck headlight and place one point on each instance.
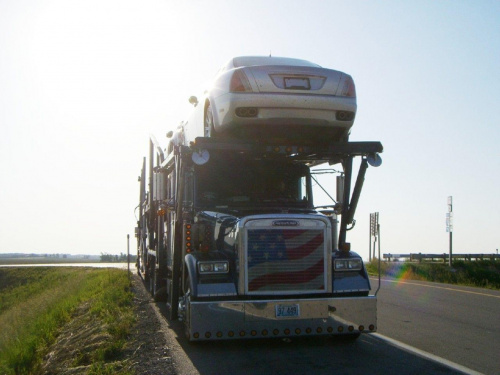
(354, 264)
(213, 267)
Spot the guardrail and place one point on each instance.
(444, 257)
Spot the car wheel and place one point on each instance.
(208, 126)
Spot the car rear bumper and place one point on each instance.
(257, 319)
(282, 109)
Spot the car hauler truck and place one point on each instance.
(229, 236)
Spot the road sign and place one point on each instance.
(374, 224)
(449, 216)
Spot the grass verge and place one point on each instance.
(484, 274)
(36, 302)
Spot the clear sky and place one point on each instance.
(84, 83)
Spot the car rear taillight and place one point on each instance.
(349, 89)
(239, 82)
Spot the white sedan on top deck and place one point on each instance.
(275, 98)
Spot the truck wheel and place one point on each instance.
(187, 300)
(159, 289)
(145, 269)
(152, 277)
(208, 124)
(351, 337)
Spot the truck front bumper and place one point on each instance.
(281, 318)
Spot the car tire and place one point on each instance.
(208, 123)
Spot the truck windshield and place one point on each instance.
(249, 183)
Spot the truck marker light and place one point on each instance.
(286, 331)
(371, 327)
(264, 332)
(230, 333)
(208, 335)
(276, 331)
(308, 330)
(297, 331)
(196, 335)
(350, 328)
(188, 238)
(330, 329)
(319, 330)
(340, 329)
(361, 328)
(242, 333)
(346, 247)
(219, 334)
(253, 332)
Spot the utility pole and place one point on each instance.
(370, 242)
(449, 226)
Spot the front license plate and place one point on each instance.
(286, 311)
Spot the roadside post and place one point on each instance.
(449, 226)
(128, 256)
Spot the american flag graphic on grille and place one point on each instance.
(285, 260)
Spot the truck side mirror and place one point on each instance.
(193, 100)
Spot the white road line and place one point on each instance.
(421, 353)
(437, 287)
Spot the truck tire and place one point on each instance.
(350, 337)
(146, 271)
(187, 301)
(152, 276)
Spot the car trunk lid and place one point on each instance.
(295, 79)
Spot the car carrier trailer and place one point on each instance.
(229, 236)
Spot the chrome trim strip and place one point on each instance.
(327, 316)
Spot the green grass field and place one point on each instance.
(35, 302)
(481, 273)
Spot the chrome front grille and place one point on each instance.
(286, 260)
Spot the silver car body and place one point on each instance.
(256, 96)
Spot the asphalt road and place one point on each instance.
(424, 328)
(460, 324)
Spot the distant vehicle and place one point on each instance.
(272, 98)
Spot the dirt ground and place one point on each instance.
(146, 352)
